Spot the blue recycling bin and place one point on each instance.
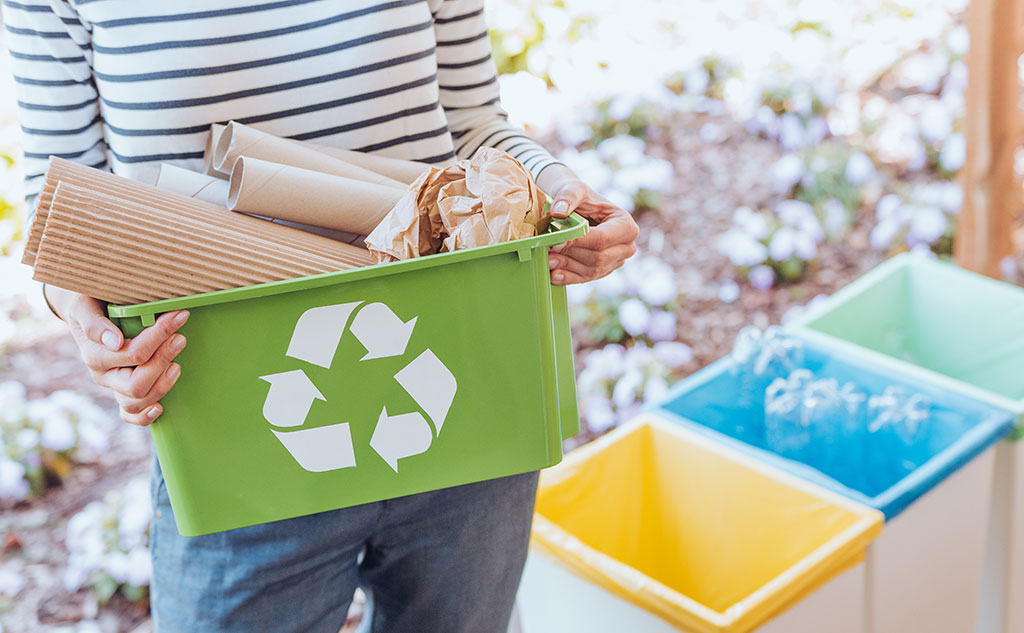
(924, 570)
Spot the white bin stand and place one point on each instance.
(1002, 589)
(924, 570)
(554, 600)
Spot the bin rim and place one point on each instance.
(566, 229)
(748, 612)
(891, 501)
(801, 325)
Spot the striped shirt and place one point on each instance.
(127, 84)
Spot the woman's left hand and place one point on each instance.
(604, 248)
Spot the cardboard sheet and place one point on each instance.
(126, 242)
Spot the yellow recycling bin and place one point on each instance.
(654, 528)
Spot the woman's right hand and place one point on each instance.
(139, 371)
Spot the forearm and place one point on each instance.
(554, 177)
(62, 302)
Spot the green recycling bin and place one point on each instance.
(328, 391)
(963, 332)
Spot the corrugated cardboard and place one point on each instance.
(127, 242)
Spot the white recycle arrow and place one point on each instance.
(400, 436)
(320, 448)
(318, 332)
(430, 384)
(381, 332)
(291, 395)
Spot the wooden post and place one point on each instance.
(992, 196)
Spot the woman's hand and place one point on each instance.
(605, 247)
(139, 371)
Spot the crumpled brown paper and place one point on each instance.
(487, 199)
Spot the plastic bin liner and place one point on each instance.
(936, 316)
(873, 469)
(696, 533)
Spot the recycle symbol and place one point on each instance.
(315, 340)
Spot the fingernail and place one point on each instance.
(553, 263)
(110, 340)
(153, 412)
(181, 318)
(173, 371)
(177, 343)
(560, 208)
(558, 277)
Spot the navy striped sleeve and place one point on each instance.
(468, 82)
(59, 107)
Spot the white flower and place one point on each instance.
(11, 582)
(805, 245)
(599, 413)
(27, 439)
(794, 212)
(934, 122)
(140, 567)
(741, 248)
(605, 363)
(673, 353)
(116, 564)
(655, 389)
(624, 149)
(786, 173)
(622, 105)
(884, 233)
(762, 277)
(728, 292)
(887, 207)
(662, 326)
(791, 132)
(958, 40)
(836, 217)
(658, 287)
(13, 486)
(696, 81)
(58, 433)
(634, 316)
(95, 438)
(782, 244)
(612, 285)
(627, 388)
(753, 223)
(817, 130)
(859, 169)
(927, 225)
(954, 152)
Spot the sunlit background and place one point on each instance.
(771, 151)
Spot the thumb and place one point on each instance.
(97, 328)
(567, 199)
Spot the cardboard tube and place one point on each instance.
(404, 171)
(216, 130)
(241, 140)
(193, 184)
(308, 197)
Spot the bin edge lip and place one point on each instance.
(575, 226)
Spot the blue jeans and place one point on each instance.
(447, 561)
